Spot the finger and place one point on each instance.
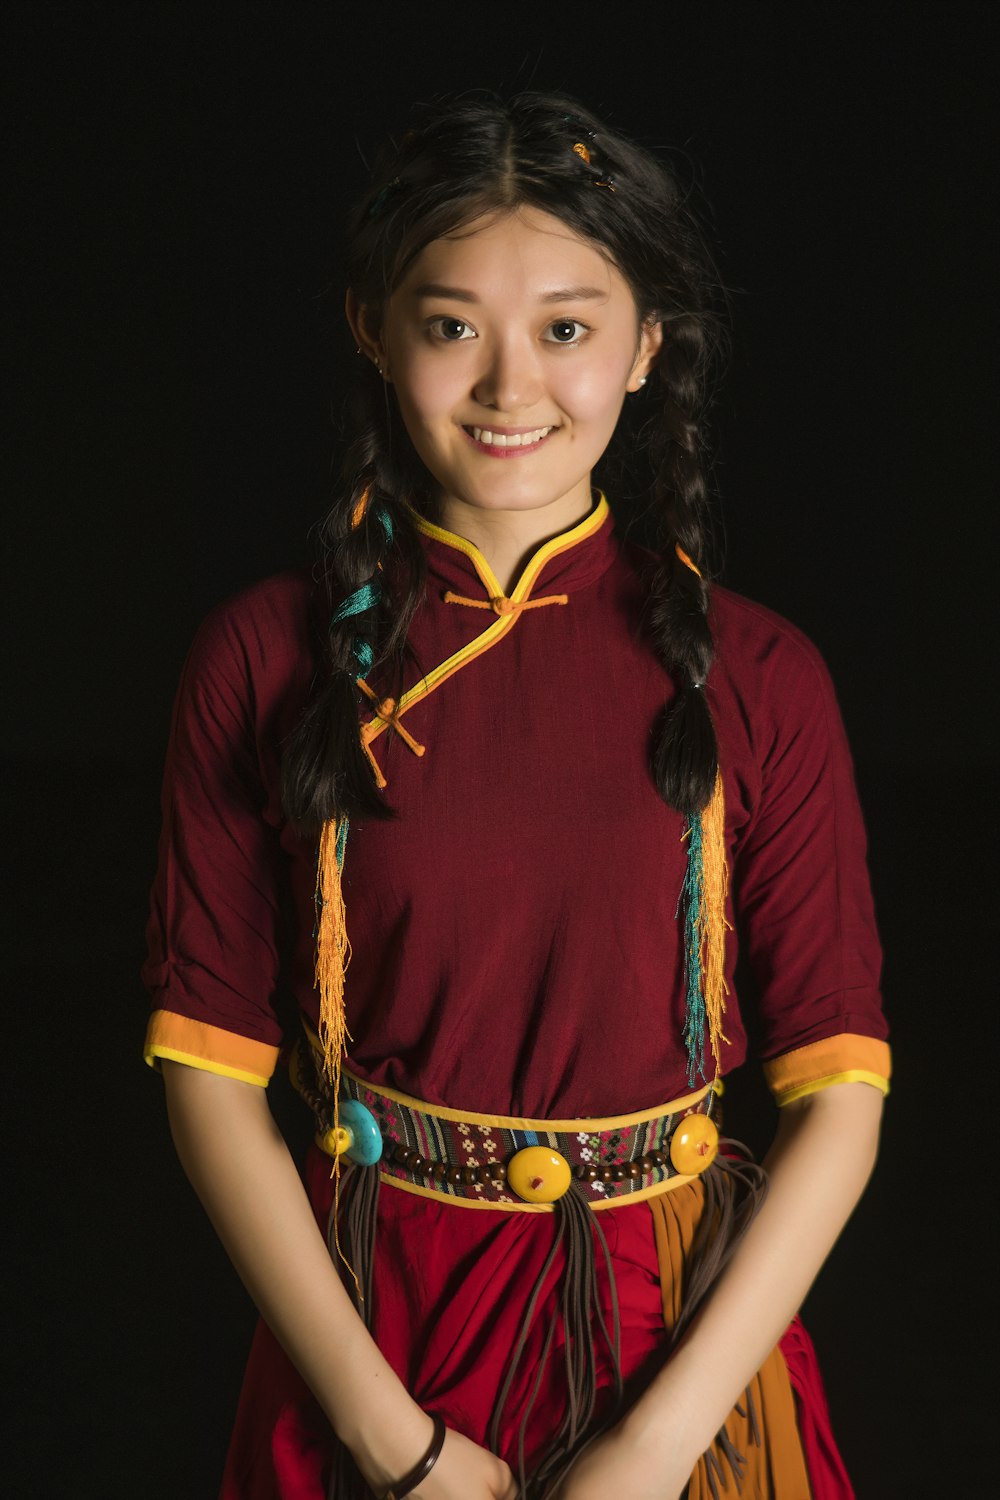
(506, 1488)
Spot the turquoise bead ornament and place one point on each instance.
(365, 1146)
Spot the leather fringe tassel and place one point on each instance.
(698, 1228)
(360, 1225)
(717, 1209)
(576, 1230)
(731, 1193)
(703, 901)
(735, 1187)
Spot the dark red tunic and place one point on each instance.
(515, 947)
(514, 933)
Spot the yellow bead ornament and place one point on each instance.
(335, 1142)
(538, 1174)
(694, 1145)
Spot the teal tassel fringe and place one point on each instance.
(364, 598)
(692, 899)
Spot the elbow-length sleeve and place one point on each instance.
(215, 910)
(802, 888)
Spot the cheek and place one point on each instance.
(592, 393)
(427, 391)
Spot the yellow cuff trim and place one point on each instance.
(854, 1075)
(847, 1057)
(211, 1048)
(153, 1055)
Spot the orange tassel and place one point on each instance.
(333, 954)
(333, 951)
(712, 918)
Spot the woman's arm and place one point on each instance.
(239, 1164)
(822, 1157)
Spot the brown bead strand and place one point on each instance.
(495, 1172)
(419, 1166)
(310, 1093)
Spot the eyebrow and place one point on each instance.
(562, 294)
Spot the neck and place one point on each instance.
(507, 538)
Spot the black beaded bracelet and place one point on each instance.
(419, 1474)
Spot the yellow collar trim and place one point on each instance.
(552, 548)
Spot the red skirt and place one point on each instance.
(450, 1285)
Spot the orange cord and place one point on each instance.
(385, 709)
(503, 605)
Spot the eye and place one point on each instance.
(452, 330)
(568, 331)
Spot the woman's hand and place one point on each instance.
(237, 1160)
(817, 1167)
(467, 1472)
(620, 1463)
(463, 1471)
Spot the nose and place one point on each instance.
(509, 380)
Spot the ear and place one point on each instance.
(367, 333)
(650, 344)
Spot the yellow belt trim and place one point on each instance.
(587, 1124)
(533, 1208)
(521, 1122)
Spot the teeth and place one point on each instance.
(514, 440)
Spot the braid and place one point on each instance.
(368, 603)
(685, 754)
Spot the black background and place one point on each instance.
(179, 178)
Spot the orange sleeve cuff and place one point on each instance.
(845, 1058)
(208, 1047)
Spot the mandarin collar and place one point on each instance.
(568, 561)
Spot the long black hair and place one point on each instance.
(462, 158)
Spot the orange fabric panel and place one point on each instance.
(176, 1036)
(775, 1463)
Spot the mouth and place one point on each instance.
(508, 442)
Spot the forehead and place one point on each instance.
(524, 252)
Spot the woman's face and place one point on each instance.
(511, 345)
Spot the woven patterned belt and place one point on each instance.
(503, 1162)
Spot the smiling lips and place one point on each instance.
(509, 442)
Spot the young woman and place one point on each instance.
(485, 806)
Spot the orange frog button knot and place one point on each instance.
(694, 1145)
(385, 708)
(538, 1174)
